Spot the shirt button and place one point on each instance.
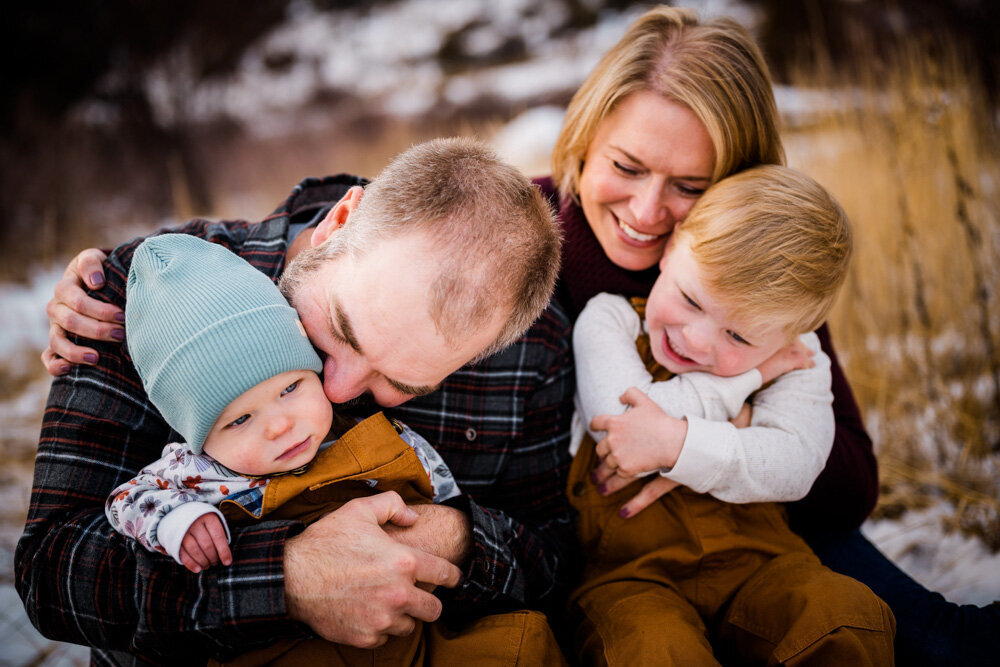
(470, 434)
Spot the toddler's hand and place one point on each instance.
(205, 544)
(638, 441)
(793, 357)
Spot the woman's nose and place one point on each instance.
(649, 205)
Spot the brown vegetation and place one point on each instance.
(910, 148)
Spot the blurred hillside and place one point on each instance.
(137, 111)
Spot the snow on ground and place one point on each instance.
(957, 566)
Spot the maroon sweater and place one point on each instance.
(846, 491)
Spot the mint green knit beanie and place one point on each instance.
(203, 326)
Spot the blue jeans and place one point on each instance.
(930, 630)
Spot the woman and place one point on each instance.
(676, 105)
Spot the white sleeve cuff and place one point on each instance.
(177, 522)
(706, 454)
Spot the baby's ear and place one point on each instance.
(337, 216)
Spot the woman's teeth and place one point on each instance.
(637, 235)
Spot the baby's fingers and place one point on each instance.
(192, 557)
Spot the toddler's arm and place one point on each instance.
(159, 506)
(779, 456)
(776, 459)
(607, 364)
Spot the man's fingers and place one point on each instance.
(386, 507)
(422, 606)
(434, 570)
(650, 492)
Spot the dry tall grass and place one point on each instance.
(910, 148)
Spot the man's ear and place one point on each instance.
(337, 216)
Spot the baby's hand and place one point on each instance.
(637, 441)
(793, 357)
(205, 544)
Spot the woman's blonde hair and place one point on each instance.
(713, 68)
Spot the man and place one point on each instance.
(448, 256)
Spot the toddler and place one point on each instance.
(707, 573)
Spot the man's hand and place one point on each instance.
(205, 544)
(353, 584)
(440, 530)
(70, 309)
(642, 440)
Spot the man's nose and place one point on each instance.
(343, 379)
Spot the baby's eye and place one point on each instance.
(691, 302)
(240, 420)
(290, 388)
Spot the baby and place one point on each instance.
(226, 361)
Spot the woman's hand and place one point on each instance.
(71, 310)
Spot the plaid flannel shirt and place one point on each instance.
(501, 425)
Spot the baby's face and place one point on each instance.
(689, 330)
(274, 427)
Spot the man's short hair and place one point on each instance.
(496, 238)
(772, 244)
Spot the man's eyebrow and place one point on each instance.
(410, 389)
(343, 325)
(346, 331)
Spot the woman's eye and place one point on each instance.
(625, 169)
(239, 421)
(690, 191)
(290, 388)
